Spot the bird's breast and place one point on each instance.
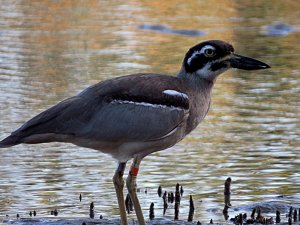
(200, 105)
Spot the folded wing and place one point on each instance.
(108, 114)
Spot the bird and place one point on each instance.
(132, 116)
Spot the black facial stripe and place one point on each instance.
(218, 65)
(197, 62)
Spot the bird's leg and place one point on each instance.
(119, 185)
(131, 186)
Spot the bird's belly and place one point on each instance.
(123, 151)
(131, 149)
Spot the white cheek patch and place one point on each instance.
(175, 93)
(195, 53)
(207, 73)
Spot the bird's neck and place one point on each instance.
(193, 80)
(199, 96)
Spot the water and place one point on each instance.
(51, 50)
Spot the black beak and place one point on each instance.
(246, 63)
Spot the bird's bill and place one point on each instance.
(246, 63)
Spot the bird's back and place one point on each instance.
(134, 108)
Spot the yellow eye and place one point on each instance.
(209, 52)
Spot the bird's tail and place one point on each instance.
(10, 141)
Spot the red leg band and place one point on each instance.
(134, 171)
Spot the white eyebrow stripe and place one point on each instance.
(175, 93)
(207, 47)
(200, 52)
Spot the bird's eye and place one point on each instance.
(209, 52)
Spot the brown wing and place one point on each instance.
(128, 108)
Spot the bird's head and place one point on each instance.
(211, 58)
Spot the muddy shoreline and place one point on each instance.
(283, 210)
(279, 210)
(82, 221)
